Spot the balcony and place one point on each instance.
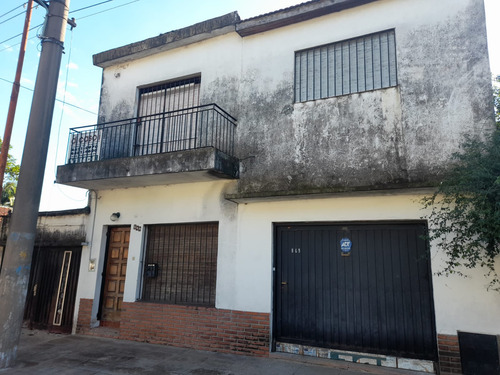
(188, 145)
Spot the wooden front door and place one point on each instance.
(114, 277)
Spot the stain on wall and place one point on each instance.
(401, 136)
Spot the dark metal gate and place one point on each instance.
(358, 287)
(52, 289)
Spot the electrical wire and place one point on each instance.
(10, 11)
(90, 6)
(11, 18)
(87, 16)
(107, 10)
(15, 36)
(17, 44)
(59, 100)
(64, 100)
(59, 187)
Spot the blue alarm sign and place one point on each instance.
(345, 246)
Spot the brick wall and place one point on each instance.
(84, 314)
(199, 328)
(449, 354)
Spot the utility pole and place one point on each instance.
(13, 97)
(15, 273)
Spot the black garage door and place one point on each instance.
(359, 287)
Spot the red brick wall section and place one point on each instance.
(84, 314)
(199, 328)
(449, 354)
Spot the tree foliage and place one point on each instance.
(10, 180)
(465, 210)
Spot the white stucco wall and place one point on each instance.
(252, 78)
(245, 253)
(460, 304)
(212, 59)
(184, 203)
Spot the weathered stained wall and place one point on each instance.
(62, 228)
(56, 228)
(390, 138)
(394, 137)
(445, 83)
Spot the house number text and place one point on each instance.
(295, 250)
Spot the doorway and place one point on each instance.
(114, 276)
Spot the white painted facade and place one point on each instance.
(248, 77)
(245, 254)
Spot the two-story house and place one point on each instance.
(255, 183)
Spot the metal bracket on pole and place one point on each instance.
(42, 3)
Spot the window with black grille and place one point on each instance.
(170, 96)
(168, 117)
(355, 65)
(185, 256)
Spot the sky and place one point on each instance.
(110, 24)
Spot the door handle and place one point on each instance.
(284, 283)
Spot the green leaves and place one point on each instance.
(465, 210)
(10, 180)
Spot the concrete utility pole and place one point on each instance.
(15, 273)
(13, 97)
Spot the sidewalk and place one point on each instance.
(43, 353)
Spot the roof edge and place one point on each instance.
(298, 13)
(222, 25)
(73, 211)
(173, 39)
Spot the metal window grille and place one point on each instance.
(186, 259)
(169, 96)
(355, 65)
(151, 135)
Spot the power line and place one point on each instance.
(14, 45)
(15, 36)
(118, 6)
(59, 100)
(10, 11)
(90, 15)
(64, 99)
(90, 6)
(11, 18)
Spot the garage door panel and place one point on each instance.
(377, 300)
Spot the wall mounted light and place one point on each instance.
(114, 216)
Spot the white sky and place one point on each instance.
(135, 20)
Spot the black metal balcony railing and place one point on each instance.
(185, 129)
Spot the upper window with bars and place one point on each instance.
(171, 96)
(355, 65)
(168, 116)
